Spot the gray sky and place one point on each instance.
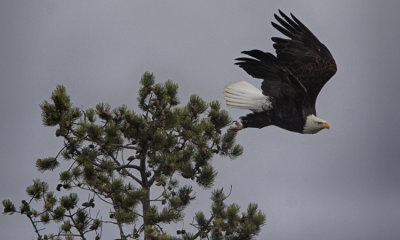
(339, 184)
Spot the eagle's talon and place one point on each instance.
(238, 127)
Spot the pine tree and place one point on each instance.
(135, 163)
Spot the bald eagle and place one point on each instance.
(291, 80)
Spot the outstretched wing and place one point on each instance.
(303, 54)
(278, 81)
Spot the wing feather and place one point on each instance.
(303, 54)
(277, 79)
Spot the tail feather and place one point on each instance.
(244, 95)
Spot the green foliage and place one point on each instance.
(66, 226)
(50, 201)
(45, 218)
(46, 164)
(226, 222)
(61, 111)
(81, 220)
(66, 176)
(37, 189)
(69, 202)
(119, 157)
(206, 176)
(58, 213)
(9, 207)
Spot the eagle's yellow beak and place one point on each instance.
(326, 125)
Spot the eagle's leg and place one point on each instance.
(238, 127)
(256, 120)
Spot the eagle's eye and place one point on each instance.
(319, 122)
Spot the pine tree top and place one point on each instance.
(118, 155)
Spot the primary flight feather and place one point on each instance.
(291, 82)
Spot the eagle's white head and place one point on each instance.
(314, 124)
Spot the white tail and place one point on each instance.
(244, 95)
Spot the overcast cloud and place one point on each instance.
(338, 184)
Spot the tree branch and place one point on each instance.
(82, 235)
(128, 166)
(128, 173)
(34, 226)
(128, 147)
(199, 232)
